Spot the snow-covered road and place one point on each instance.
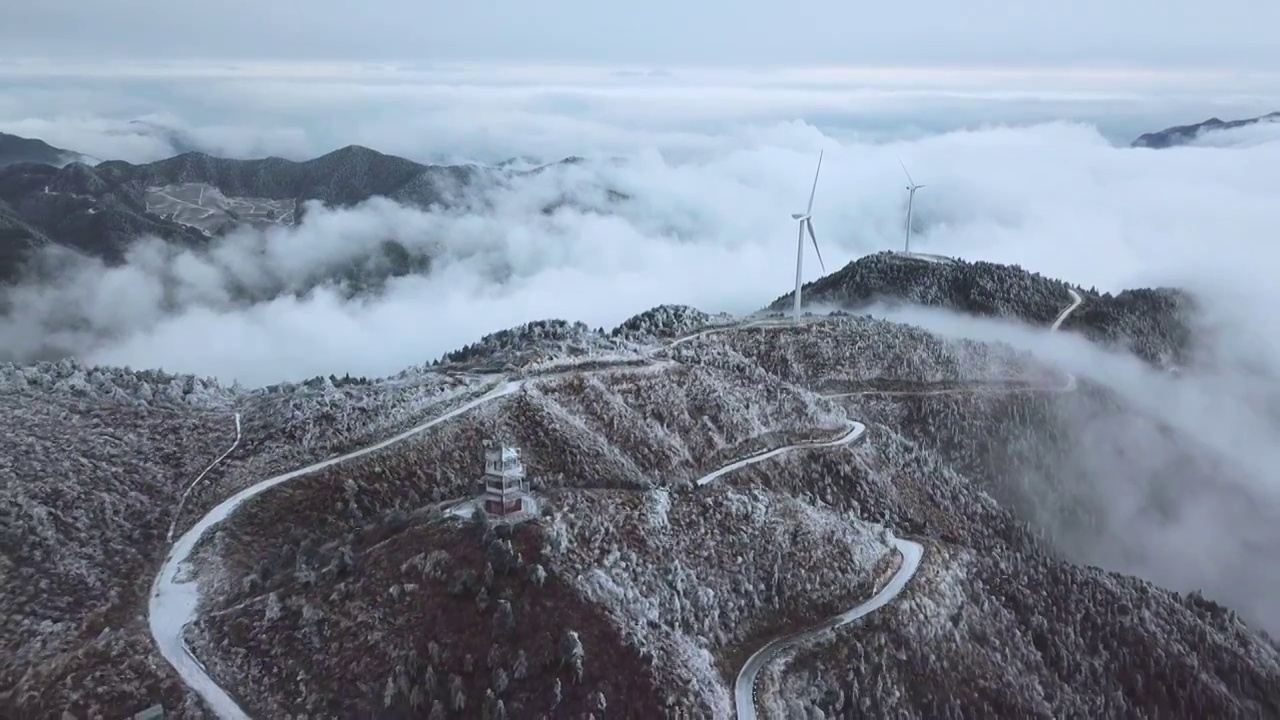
(182, 501)
(176, 591)
(1070, 384)
(1062, 316)
(744, 687)
(856, 430)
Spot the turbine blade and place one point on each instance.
(814, 191)
(809, 225)
(904, 171)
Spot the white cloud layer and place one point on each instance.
(489, 113)
(708, 225)
(1154, 517)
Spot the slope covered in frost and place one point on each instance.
(351, 592)
(972, 634)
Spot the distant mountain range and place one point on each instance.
(55, 197)
(15, 149)
(1184, 134)
(48, 196)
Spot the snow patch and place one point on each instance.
(658, 505)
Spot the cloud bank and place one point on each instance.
(1212, 524)
(707, 223)
(713, 231)
(489, 113)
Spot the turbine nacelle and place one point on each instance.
(799, 216)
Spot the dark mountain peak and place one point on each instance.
(1183, 134)
(22, 179)
(363, 159)
(356, 151)
(571, 160)
(1152, 323)
(17, 149)
(78, 177)
(953, 284)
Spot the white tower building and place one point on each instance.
(505, 488)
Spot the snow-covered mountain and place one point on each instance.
(1152, 323)
(648, 577)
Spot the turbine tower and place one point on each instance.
(806, 223)
(912, 187)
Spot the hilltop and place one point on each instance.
(1152, 323)
(15, 149)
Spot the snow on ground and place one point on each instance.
(694, 577)
(463, 509)
(926, 257)
(176, 592)
(658, 506)
(936, 598)
(854, 433)
(746, 691)
(468, 508)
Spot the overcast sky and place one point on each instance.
(1226, 33)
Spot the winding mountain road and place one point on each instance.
(1066, 312)
(176, 594)
(855, 433)
(744, 687)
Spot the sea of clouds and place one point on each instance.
(712, 164)
(1027, 170)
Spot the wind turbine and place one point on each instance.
(912, 187)
(806, 223)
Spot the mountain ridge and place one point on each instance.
(1185, 134)
(1153, 323)
(100, 210)
(15, 149)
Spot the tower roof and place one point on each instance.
(503, 452)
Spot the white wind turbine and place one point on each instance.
(806, 223)
(912, 187)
